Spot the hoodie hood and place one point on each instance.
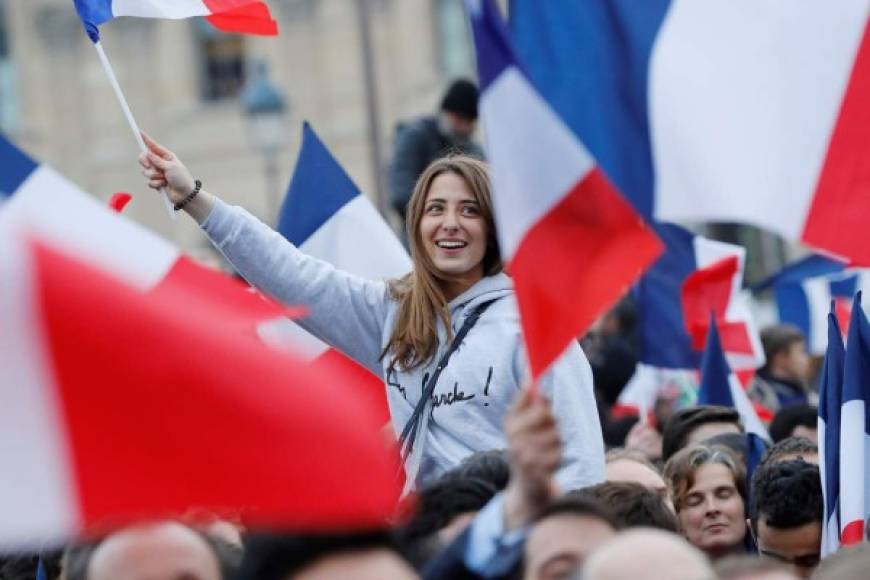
(488, 288)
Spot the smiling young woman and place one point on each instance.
(445, 337)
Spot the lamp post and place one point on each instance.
(266, 111)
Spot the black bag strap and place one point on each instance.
(409, 433)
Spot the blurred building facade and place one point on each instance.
(183, 82)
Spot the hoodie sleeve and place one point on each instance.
(345, 311)
(569, 387)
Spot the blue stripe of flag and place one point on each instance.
(590, 60)
(856, 374)
(318, 189)
(715, 388)
(830, 401)
(494, 50)
(15, 167)
(93, 13)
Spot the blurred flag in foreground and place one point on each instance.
(572, 243)
(242, 16)
(830, 403)
(118, 405)
(692, 125)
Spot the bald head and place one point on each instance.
(647, 553)
(164, 551)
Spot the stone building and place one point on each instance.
(183, 81)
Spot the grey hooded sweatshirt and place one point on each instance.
(475, 390)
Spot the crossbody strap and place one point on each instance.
(409, 433)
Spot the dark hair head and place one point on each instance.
(787, 418)
(489, 466)
(437, 505)
(277, 557)
(632, 504)
(777, 339)
(24, 566)
(789, 447)
(787, 494)
(574, 504)
(736, 442)
(461, 99)
(683, 422)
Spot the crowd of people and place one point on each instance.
(505, 479)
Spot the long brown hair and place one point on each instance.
(414, 339)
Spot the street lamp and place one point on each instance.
(266, 111)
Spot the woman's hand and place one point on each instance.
(163, 169)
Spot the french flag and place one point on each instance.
(674, 298)
(723, 110)
(326, 216)
(830, 403)
(241, 16)
(41, 200)
(855, 429)
(719, 386)
(804, 290)
(118, 406)
(572, 243)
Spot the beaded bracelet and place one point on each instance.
(189, 197)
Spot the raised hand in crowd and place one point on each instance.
(164, 169)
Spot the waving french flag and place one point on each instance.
(804, 291)
(572, 243)
(723, 110)
(118, 406)
(855, 429)
(830, 402)
(242, 16)
(719, 386)
(326, 216)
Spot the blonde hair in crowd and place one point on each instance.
(680, 469)
(414, 340)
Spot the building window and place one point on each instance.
(453, 38)
(222, 58)
(9, 113)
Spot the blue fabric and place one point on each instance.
(15, 167)
(494, 51)
(715, 388)
(844, 287)
(793, 306)
(812, 266)
(755, 448)
(41, 574)
(662, 337)
(590, 60)
(830, 401)
(856, 366)
(93, 13)
(319, 188)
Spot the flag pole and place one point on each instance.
(128, 114)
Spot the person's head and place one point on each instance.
(751, 568)
(847, 563)
(633, 466)
(568, 530)
(459, 109)
(649, 554)
(363, 556)
(25, 566)
(795, 421)
(633, 505)
(785, 350)
(790, 449)
(695, 424)
(444, 508)
(736, 442)
(708, 488)
(158, 551)
(489, 466)
(451, 231)
(786, 513)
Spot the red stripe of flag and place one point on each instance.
(840, 210)
(576, 262)
(249, 18)
(165, 411)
